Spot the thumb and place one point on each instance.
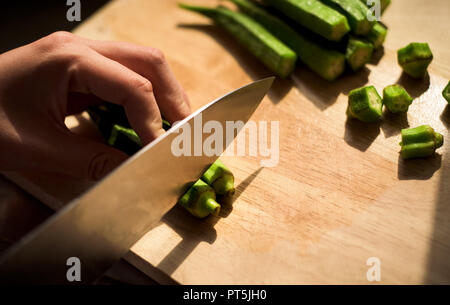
(83, 158)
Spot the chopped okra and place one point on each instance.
(358, 53)
(415, 59)
(220, 178)
(396, 99)
(377, 35)
(365, 104)
(200, 200)
(446, 92)
(420, 142)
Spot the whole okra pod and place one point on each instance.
(271, 51)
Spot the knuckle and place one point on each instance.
(156, 56)
(143, 85)
(58, 39)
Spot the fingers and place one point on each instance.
(95, 74)
(80, 157)
(149, 63)
(78, 102)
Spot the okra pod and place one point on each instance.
(113, 124)
(220, 178)
(396, 98)
(315, 16)
(329, 64)
(200, 200)
(415, 59)
(356, 12)
(253, 36)
(446, 92)
(359, 52)
(377, 35)
(124, 139)
(365, 104)
(420, 142)
(383, 4)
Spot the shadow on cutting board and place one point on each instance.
(324, 93)
(249, 63)
(193, 231)
(415, 87)
(438, 262)
(418, 169)
(361, 135)
(305, 80)
(393, 123)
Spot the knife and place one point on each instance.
(98, 228)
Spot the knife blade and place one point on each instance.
(100, 226)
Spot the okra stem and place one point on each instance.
(253, 36)
(220, 178)
(200, 200)
(420, 142)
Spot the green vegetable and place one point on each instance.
(396, 99)
(446, 92)
(329, 64)
(356, 13)
(315, 16)
(220, 178)
(124, 139)
(420, 142)
(377, 35)
(383, 4)
(365, 104)
(200, 200)
(415, 59)
(358, 53)
(113, 124)
(260, 42)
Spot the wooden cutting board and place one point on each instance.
(339, 195)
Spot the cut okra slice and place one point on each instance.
(420, 142)
(358, 53)
(415, 59)
(365, 104)
(446, 92)
(396, 99)
(377, 35)
(220, 178)
(200, 200)
(124, 139)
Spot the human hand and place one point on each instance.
(62, 74)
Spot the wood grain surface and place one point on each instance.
(339, 194)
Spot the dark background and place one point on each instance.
(22, 22)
